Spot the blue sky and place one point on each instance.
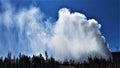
(106, 12)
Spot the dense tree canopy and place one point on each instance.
(39, 61)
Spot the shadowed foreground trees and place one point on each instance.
(24, 61)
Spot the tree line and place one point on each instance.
(24, 61)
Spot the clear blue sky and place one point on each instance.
(105, 11)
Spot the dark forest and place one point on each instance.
(24, 61)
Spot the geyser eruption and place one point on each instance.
(77, 38)
(72, 36)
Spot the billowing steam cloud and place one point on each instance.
(76, 37)
(72, 36)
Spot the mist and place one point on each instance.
(29, 31)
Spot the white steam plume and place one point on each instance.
(72, 36)
(77, 38)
